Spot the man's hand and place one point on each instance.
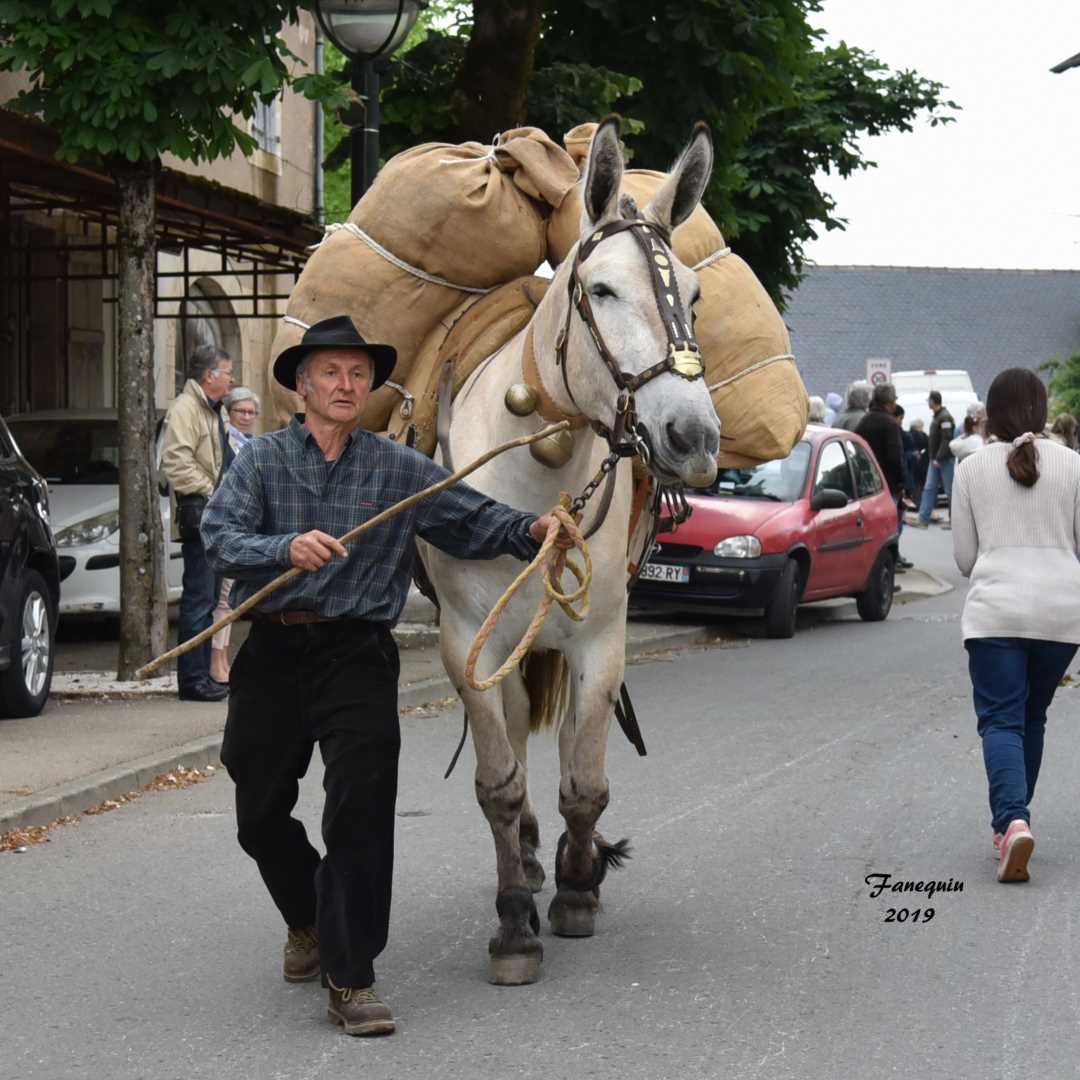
(539, 528)
(313, 550)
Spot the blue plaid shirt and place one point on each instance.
(281, 485)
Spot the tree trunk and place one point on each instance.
(489, 93)
(143, 624)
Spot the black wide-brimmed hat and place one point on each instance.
(336, 333)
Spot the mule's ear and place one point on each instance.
(678, 196)
(604, 175)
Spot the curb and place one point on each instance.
(76, 796)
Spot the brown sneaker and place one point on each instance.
(359, 1011)
(302, 955)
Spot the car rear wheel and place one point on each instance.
(876, 602)
(24, 687)
(784, 603)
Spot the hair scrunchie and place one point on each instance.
(1027, 437)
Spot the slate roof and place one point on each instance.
(980, 320)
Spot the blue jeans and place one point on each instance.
(1014, 680)
(938, 473)
(197, 603)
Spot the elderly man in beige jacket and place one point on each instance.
(192, 459)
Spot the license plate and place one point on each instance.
(662, 572)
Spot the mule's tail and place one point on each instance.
(547, 680)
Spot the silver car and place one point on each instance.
(78, 453)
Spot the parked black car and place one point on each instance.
(29, 585)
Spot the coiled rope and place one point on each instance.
(551, 562)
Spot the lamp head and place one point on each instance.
(367, 29)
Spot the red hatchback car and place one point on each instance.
(819, 523)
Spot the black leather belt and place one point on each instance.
(293, 617)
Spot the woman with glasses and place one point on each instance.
(242, 408)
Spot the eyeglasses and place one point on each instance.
(243, 412)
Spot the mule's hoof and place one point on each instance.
(570, 916)
(534, 875)
(518, 969)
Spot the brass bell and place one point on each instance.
(554, 451)
(521, 399)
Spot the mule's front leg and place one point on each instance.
(515, 952)
(582, 857)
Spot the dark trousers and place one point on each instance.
(336, 684)
(1014, 680)
(197, 603)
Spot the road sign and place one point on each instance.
(878, 371)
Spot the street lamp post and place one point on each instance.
(364, 31)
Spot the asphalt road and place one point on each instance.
(741, 941)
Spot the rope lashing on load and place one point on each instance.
(750, 370)
(256, 598)
(710, 259)
(390, 257)
(551, 563)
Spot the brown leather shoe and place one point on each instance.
(302, 955)
(359, 1011)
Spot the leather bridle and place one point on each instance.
(683, 357)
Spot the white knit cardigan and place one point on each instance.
(1019, 545)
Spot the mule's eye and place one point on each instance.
(600, 291)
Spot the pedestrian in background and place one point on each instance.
(833, 401)
(858, 400)
(939, 473)
(194, 453)
(816, 411)
(242, 408)
(921, 443)
(966, 444)
(1063, 431)
(881, 431)
(1016, 533)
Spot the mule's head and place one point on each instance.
(638, 312)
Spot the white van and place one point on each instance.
(913, 388)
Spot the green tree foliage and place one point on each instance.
(132, 79)
(783, 109)
(121, 82)
(1063, 382)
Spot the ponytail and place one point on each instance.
(1015, 408)
(1023, 463)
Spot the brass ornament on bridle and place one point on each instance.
(683, 356)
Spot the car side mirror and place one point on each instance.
(828, 499)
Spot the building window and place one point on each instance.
(264, 126)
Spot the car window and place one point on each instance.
(833, 470)
(71, 451)
(781, 481)
(867, 478)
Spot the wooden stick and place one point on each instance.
(148, 669)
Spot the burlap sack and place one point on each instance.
(477, 331)
(443, 224)
(758, 395)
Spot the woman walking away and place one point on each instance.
(1016, 530)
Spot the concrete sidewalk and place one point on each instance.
(99, 738)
